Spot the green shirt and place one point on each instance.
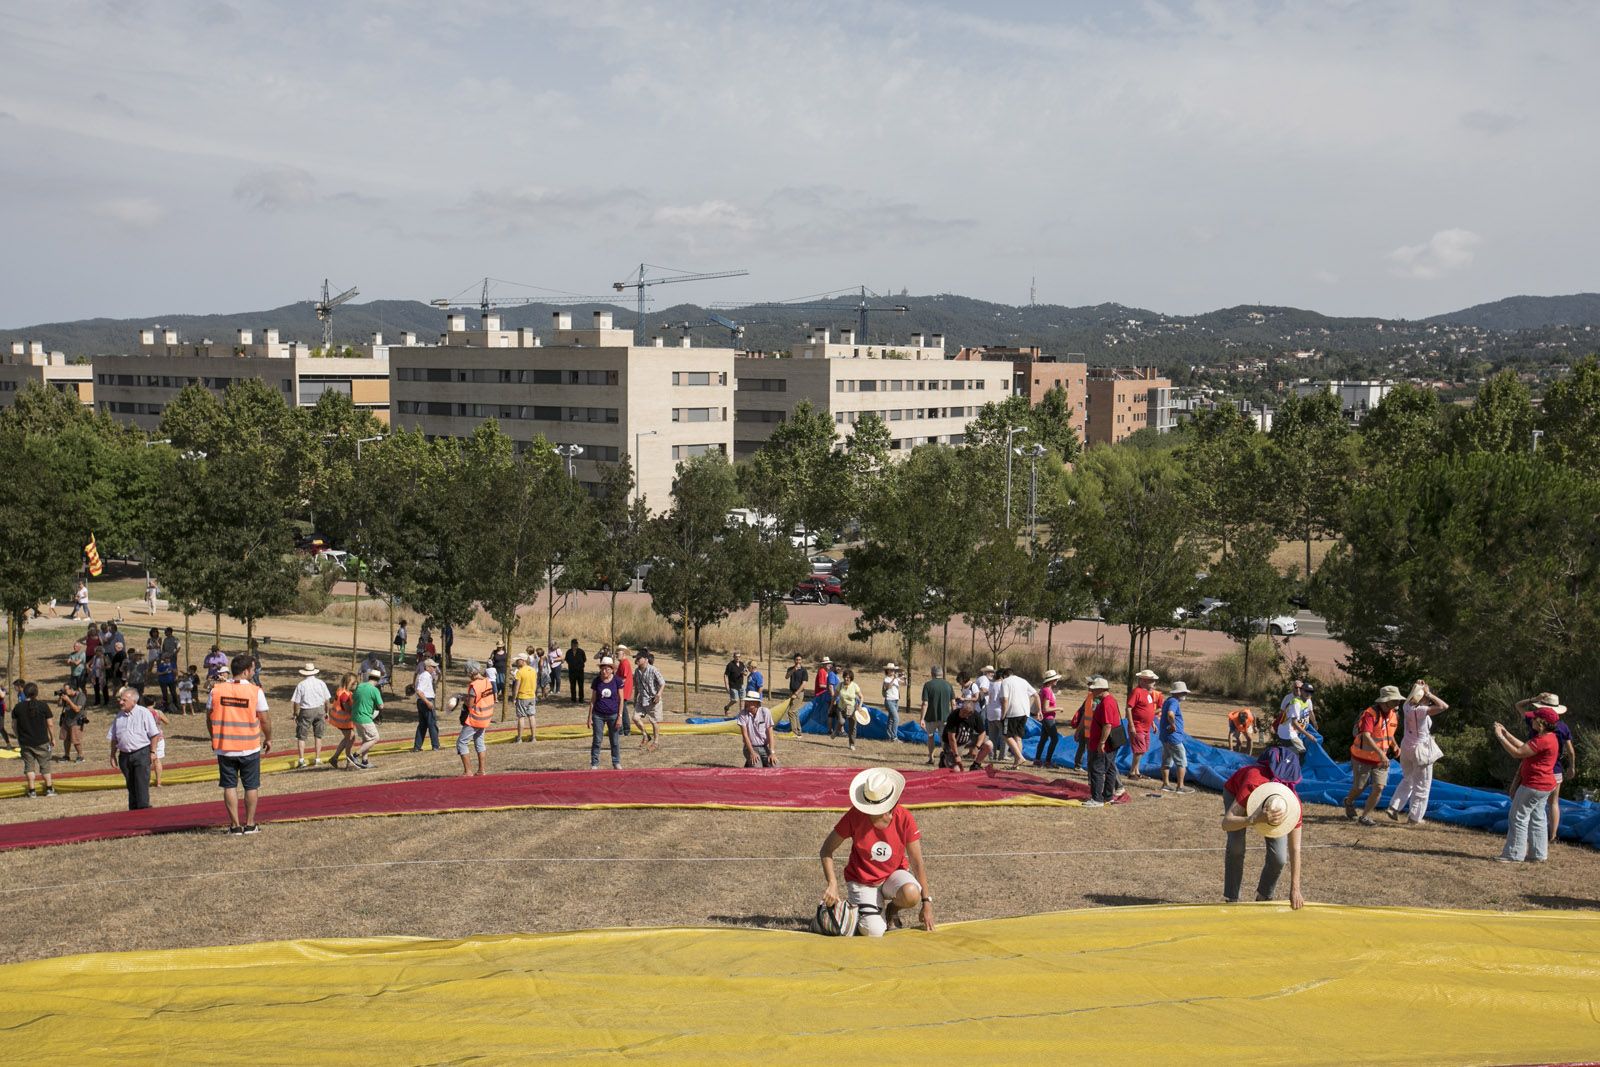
(938, 695)
(365, 703)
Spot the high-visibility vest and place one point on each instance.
(480, 703)
(1242, 719)
(1382, 734)
(339, 710)
(232, 718)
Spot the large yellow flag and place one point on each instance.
(95, 567)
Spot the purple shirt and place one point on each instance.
(607, 697)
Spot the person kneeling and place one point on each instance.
(755, 730)
(884, 875)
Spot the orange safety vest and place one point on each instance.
(480, 703)
(1382, 735)
(232, 718)
(1242, 720)
(339, 711)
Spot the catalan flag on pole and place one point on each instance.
(93, 554)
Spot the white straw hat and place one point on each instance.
(863, 715)
(1178, 689)
(1274, 794)
(1148, 673)
(308, 670)
(1098, 682)
(1050, 676)
(876, 790)
(890, 667)
(754, 695)
(1551, 701)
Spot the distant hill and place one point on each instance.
(1540, 328)
(1528, 312)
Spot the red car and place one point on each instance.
(819, 589)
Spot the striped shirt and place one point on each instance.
(132, 730)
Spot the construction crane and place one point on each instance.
(861, 306)
(735, 329)
(486, 302)
(325, 308)
(639, 282)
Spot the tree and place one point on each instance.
(1310, 465)
(999, 589)
(1500, 420)
(1406, 427)
(1225, 460)
(332, 428)
(621, 541)
(866, 453)
(694, 581)
(1249, 586)
(41, 555)
(799, 476)
(987, 439)
(1135, 537)
(1571, 419)
(1064, 592)
(766, 565)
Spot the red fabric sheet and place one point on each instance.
(784, 789)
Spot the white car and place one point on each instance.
(1279, 625)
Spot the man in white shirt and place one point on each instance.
(755, 729)
(427, 705)
(993, 710)
(1018, 701)
(309, 705)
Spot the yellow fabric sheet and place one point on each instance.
(283, 756)
(1248, 984)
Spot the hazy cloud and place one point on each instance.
(1491, 121)
(1444, 252)
(133, 212)
(277, 189)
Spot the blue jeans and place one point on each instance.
(609, 726)
(1528, 825)
(427, 726)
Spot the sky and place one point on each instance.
(1395, 159)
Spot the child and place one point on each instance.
(188, 686)
(161, 749)
(339, 719)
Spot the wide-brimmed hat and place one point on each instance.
(876, 790)
(890, 667)
(607, 661)
(988, 668)
(1389, 693)
(374, 673)
(1274, 793)
(827, 662)
(308, 670)
(1098, 682)
(754, 695)
(1551, 701)
(430, 663)
(1050, 676)
(863, 715)
(520, 657)
(1178, 689)
(622, 647)
(1148, 673)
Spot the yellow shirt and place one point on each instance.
(527, 683)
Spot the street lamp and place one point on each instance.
(1536, 435)
(1009, 435)
(570, 453)
(359, 441)
(1033, 453)
(638, 460)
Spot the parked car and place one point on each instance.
(818, 589)
(841, 569)
(822, 563)
(1280, 625)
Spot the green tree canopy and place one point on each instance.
(1406, 427)
(1500, 420)
(1571, 419)
(1311, 463)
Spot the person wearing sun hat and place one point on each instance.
(1567, 761)
(1105, 721)
(755, 731)
(1143, 701)
(851, 707)
(1369, 752)
(1527, 833)
(1044, 752)
(309, 705)
(1261, 796)
(1170, 729)
(884, 875)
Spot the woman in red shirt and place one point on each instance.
(1527, 834)
(885, 873)
(1279, 764)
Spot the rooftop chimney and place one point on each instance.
(936, 341)
(147, 337)
(272, 336)
(456, 322)
(602, 320)
(377, 339)
(563, 319)
(820, 335)
(409, 338)
(847, 337)
(526, 338)
(245, 337)
(683, 342)
(169, 336)
(658, 341)
(491, 322)
(917, 339)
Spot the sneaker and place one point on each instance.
(1166, 788)
(1183, 789)
(1119, 793)
(30, 794)
(1394, 816)
(1505, 859)
(317, 762)
(1094, 803)
(1349, 810)
(299, 763)
(252, 829)
(1366, 821)
(78, 760)
(236, 830)
(50, 791)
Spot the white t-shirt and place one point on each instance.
(1418, 724)
(1016, 696)
(993, 708)
(891, 688)
(424, 685)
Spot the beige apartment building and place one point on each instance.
(921, 396)
(593, 388)
(29, 362)
(136, 387)
(1123, 402)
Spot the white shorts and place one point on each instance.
(872, 899)
(161, 747)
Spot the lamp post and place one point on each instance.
(1536, 435)
(638, 460)
(1033, 453)
(570, 453)
(1009, 435)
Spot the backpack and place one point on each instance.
(1282, 764)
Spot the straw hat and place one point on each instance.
(863, 716)
(1551, 701)
(1050, 676)
(622, 647)
(1273, 794)
(752, 695)
(1148, 673)
(1389, 693)
(607, 661)
(890, 667)
(374, 673)
(1098, 682)
(988, 668)
(826, 662)
(308, 670)
(1178, 689)
(876, 790)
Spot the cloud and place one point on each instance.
(1443, 253)
(1491, 122)
(1326, 277)
(708, 214)
(133, 212)
(107, 103)
(514, 208)
(277, 189)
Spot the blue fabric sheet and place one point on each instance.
(1324, 780)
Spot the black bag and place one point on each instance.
(1117, 736)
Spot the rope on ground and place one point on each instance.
(809, 857)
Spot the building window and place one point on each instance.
(699, 414)
(763, 385)
(687, 451)
(591, 415)
(699, 377)
(758, 416)
(591, 377)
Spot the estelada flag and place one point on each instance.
(93, 554)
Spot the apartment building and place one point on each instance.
(29, 362)
(1034, 374)
(136, 387)
(1121, 402)
(1355, 398)
(921, 395)
(593, 388)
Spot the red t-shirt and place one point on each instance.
(625, 672)
(1141, 709)
(1105, 715)
(1245, 781)
(1539, 770)
(876, 854)
(822, 683)
(1381, 726)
